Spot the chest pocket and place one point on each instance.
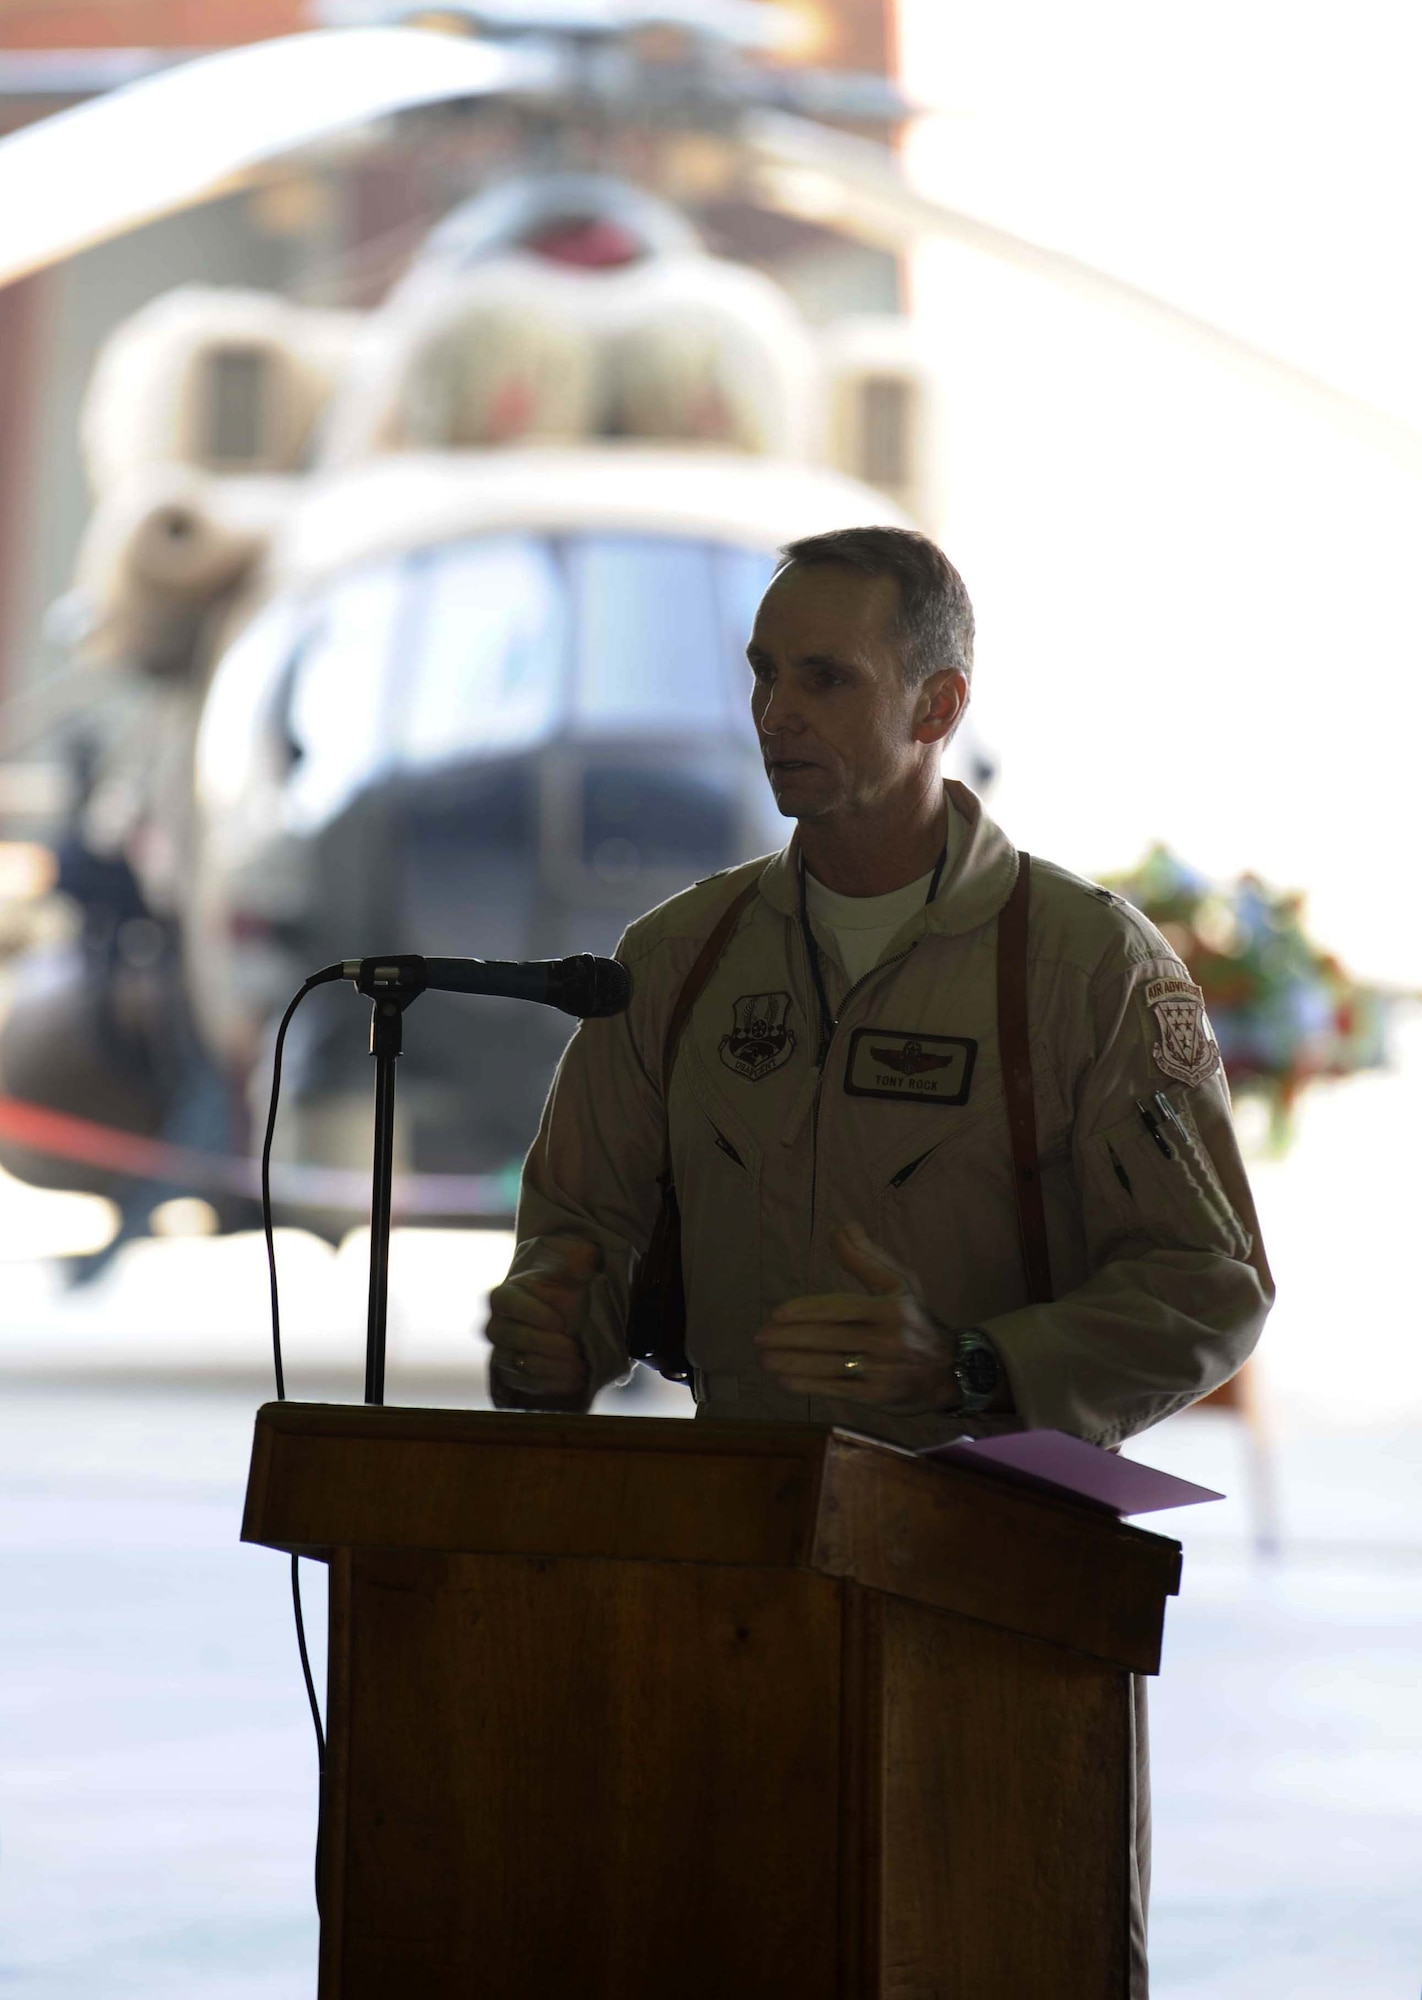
(1155, 1179)
(931, 1139)
(928, 1142)
(706, 1108)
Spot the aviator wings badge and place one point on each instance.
(910, 1060)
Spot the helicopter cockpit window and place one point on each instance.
(483, 670)
(230, 745)
(494, 645)
(742, 576)
(339, 720)
(650, 650)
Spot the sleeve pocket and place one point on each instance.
(1157, 1181)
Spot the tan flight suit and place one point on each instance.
(1160, 1278)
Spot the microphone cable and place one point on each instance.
(592, 996)
(322, 978)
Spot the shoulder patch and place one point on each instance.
(1186, 1050)
(1088, 926)
(688, 915)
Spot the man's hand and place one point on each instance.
(900, 1360)
(534, 1321)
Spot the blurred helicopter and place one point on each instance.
(428, 624)
(423, 622)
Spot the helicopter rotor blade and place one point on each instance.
(855, 186)
(744, 24)
(189, 132)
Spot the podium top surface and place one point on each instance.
(765, 1496)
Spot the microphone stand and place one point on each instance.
(391, 985)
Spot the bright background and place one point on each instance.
(1198, 623)
(1197, 604)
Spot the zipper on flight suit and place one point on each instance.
(822, 1060)
(829, 1023)
(822, 1063)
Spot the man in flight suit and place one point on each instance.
(836, 1119)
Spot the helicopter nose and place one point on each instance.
(642, 817)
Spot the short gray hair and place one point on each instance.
(935, 616)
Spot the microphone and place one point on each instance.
(583, 985)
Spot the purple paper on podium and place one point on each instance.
(1070, 1465)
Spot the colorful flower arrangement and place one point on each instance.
(1284, 1011)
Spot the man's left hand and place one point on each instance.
(899, 1360)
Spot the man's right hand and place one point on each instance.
(534, 1320)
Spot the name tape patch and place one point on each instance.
(910, 1067)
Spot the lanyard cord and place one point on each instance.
(828, 1021)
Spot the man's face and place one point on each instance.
(837, 724)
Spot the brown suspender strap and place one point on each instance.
(656, 1305)
(697, 977)
(1016, 1055)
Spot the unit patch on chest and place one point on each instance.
(902, 1064)
(759, 1041)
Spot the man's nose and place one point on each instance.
(778, 715)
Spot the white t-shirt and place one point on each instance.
(863, 925)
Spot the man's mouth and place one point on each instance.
(792, 764)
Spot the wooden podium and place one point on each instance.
(644, 1709)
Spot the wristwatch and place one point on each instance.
(976, 1369)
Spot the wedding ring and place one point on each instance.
(853, 1364)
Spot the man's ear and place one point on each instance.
(941, 701)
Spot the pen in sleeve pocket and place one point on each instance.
(1152, 1125)
(1168, 1110)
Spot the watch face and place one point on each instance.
(978, 1371)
